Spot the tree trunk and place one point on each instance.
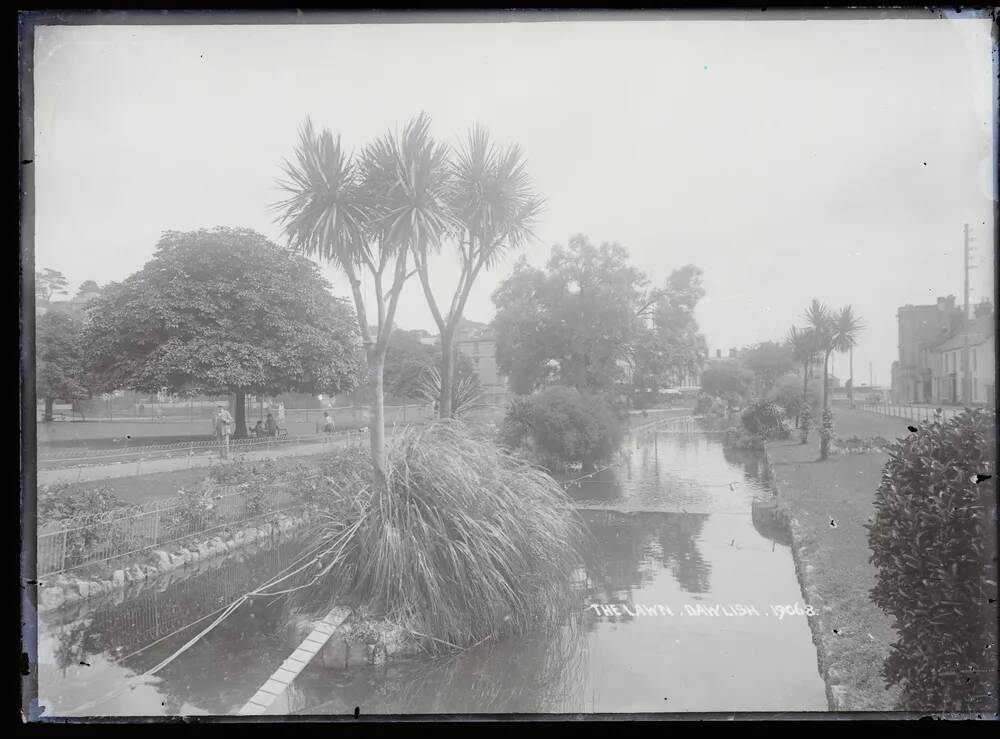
(850, 389)
(240, 432)
(805, 388)
(48, 409)
(826, 381)
(447, 374)
(376, 424)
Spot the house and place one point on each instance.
(921, 327)
(948, 363)
(477, 341)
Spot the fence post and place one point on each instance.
(156, 528)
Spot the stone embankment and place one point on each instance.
(65, 588)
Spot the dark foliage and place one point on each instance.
(933, 540)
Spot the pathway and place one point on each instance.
(152, 466)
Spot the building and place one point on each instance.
(948, 364)
(921, 327)
(477, 341)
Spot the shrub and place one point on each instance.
(933, 539)
(466, 543)
(93, 531)
(765, 419)
(826, 433)
(57, 502)
(195, 512)
(787, 395)
(561, 426)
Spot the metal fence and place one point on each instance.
(912, 412)
(84, 540)
(188, 448)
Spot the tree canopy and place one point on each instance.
(223, 310)
(590, 315)
(768, 361)
(49, 282)
(59, 360)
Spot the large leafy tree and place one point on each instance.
(223, 310)
(492, 207)
(574, 321)
(49, 282)
(667, 344)
(768, 361)
(367, 215)
(60, 373)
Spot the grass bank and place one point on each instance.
(827, 505)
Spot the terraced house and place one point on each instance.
(947, 361)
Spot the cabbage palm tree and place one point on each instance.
(493, 207)
(834, 331)
(804, 351)
(367, 214)
(847, 329)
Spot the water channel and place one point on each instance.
(675, 615)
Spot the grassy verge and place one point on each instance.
(828, 504)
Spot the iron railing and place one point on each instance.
(72, 543)
(920, 413)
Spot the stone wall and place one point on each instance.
(71, 587)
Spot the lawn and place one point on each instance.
(829, 504)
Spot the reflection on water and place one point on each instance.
(671, 526)
(645, 550)
(86, 652)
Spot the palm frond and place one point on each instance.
(493, 195)
(324, 214)
(407, 178)
(467, 395)
(847, 327)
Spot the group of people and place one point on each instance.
(224, 426)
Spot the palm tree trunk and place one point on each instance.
(826, 383)
(376, 425)
(805, 387)
(850, 390)
(447, 374)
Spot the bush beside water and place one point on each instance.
(933, 541)
(466, 543)
(560, 427)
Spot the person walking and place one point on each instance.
(223, 428)
(327, 422)
(271, 426)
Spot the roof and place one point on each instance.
(978, 329)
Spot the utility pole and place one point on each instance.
(966, 365)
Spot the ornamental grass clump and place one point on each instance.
(933, 540)
(465, 543)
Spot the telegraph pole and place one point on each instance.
(966, 365)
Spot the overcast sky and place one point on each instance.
(787, 159)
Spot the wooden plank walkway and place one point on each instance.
(296, 662)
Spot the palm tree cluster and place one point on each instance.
(827, 331)
(404, 196)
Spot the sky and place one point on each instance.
(836, 159)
